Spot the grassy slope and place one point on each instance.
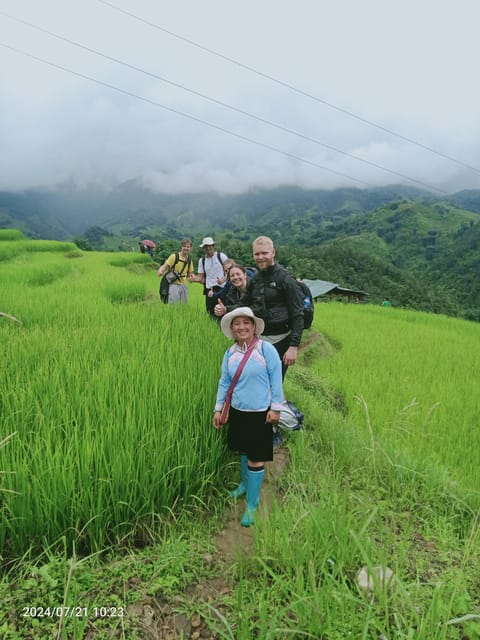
(349, 498)
(405, 232)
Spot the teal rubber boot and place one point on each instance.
(254, 484)
(241, 490)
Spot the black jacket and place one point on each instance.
(274, 296)
(234, 297)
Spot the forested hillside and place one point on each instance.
(133, 209)
(396, 241)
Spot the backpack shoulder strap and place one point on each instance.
(218, 258)
(172, 268)
(185, 264)
(281, 276)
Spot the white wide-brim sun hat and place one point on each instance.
(226, 321)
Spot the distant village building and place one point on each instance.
(323, 288)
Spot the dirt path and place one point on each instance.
(158, 620)
(234, 538)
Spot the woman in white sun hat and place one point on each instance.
(250, 397)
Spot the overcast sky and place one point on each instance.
(409, 67)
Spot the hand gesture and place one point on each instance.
(220, 309)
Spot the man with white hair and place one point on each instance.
(210, 274)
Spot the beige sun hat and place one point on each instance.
(207, 241)
(226, 322)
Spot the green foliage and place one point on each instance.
(126, 259)
(165, 248)
(103, 411)
(111, 445)
(48, 246)
(83, 244)
(94, 237)
(127, 292)
(48, 275)
(74, 254)
(410, 404)
(9, 250)
(11, 234)
(395, 241)
(369, 240)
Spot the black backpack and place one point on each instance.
(308, 304)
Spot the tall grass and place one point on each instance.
(111, 404)
(126, 259)
(336, 516)
(345, 504)
(413, 386)
(12, 247)
(10, 234)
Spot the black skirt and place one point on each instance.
(249, 434)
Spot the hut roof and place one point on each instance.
(323, 287)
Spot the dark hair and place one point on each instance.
(238, 266)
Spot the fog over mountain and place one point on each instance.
(408, 68)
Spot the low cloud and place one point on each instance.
(57, 127)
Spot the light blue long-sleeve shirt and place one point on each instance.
(260, 383)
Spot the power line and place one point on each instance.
(221, 103)
(182, 113)
(291, 87)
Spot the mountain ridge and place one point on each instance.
(421, 250)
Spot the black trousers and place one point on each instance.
(211, 301)
(281, 347)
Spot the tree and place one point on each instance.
(82, 244)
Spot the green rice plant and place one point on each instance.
(112, 409)
(12, 247)
(8, 251)
(35, 246)
(74, 254)
(48, 275)
(127, 292)
(340, 512)
(11, 234)
(416, 381)
(126, 259)
(112, 405)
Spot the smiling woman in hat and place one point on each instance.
(250, 389)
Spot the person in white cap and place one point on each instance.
(210, 273)
(254, 401)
